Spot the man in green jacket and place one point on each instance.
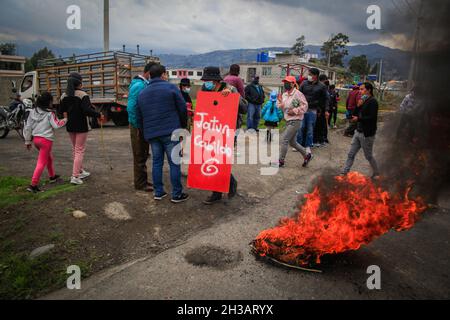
(139, 145)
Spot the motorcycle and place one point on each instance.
(15, 117)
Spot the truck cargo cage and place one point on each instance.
(106, 75)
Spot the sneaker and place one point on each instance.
(280, 164)
(233, 190)
(308, 159)
(84, 174)
(184, 197)
(159, 198)
(335, 127)
(76, 181)
(34, 189)
(215, 197)
(54, 179)
(316, 145)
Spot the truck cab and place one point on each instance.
(28, 87)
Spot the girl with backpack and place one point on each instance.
(272, 115)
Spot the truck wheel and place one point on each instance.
(120, 119)
(3, 127)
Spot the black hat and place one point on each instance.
(185, 82)
(211, 74)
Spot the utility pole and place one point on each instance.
(105, 25)
(416, 47)
(380, 80)
(380, 76)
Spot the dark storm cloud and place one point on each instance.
(199, 25)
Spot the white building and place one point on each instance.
(180, 73)
(272, 73)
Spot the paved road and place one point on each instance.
(414, 265)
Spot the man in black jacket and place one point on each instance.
(365, 117)
(255, 96)
(316, 95)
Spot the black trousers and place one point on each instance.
(321, 129)
(232, 182)
(333, 117)
(140, 156)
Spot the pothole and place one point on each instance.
(214, 257)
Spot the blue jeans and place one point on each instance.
(308, 124)
(160, 146)
(253, 116)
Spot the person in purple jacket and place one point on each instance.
(234, 80)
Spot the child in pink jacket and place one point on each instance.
(39, 129)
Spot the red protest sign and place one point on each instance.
(212, 145)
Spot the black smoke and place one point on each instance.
(417, 151)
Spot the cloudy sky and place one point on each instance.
(197, 26)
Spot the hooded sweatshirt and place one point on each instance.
(42, 123)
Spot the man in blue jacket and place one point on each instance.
(138, 143)
(161, 110)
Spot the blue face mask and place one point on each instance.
(209, 85)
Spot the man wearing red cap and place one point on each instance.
(294, 106)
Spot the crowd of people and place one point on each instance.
(156, 108)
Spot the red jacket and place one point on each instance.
(352, 101)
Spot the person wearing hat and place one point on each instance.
(139, 145)
(254, 94)
(40, 130)
(213, 82)
(76, 106)
(272, 114)
(316, 94)
(294, 106)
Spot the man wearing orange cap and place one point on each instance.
(294, 106)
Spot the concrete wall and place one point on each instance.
(5, 88)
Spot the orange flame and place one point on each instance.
(352, 212)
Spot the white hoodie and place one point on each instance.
(42, 123)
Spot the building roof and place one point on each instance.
(6, 58)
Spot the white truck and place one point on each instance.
(106, 78)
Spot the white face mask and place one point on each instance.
(310, 78)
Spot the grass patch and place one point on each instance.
(25, 278)
(13, 191)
